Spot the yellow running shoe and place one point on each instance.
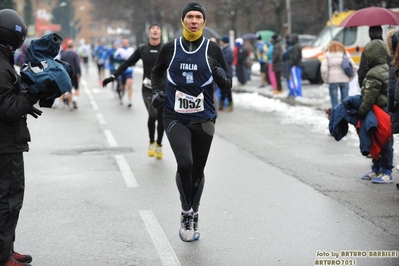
(158, 151)
(151, 149)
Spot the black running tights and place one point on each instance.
(190, 144)
(154, 115)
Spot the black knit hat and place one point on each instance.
(154, 24)
(190, 7)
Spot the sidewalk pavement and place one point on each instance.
(316, 96)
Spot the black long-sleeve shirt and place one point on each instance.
(166, 54)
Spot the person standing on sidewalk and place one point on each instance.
(375, 33)
(277, 62)
(374, 91)
(295, 66)
(286, 66)
(270, 72)
(392, 40)
(333, 74)
(148, 53)
(229, 57)
(15, 104)
(240, 61)
(191, 63)
(261, 54)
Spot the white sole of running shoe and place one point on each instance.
(382, 182)
(187, 239)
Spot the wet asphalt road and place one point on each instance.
(276, 193)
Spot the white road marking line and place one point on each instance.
(165, 251)
(91, 99)
(126, 171)
(101, 119)
(110, 138)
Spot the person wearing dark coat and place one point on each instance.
(286, 65)
(229, 57)
(295, 67)
(374, 91)
(277, 61)
(375, 33)
(392, 40)
(15, 105)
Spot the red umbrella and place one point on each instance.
(371, 16)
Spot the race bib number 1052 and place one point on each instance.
(185, 103)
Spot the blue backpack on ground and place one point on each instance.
(41, 73)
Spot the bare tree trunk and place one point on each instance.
(280, 15)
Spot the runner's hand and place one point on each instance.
(158, 99)
(219, 75)
(108, 80)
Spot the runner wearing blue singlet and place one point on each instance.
(100, 54)
(112, 66)
(122, 54)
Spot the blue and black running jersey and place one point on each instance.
(189, 86)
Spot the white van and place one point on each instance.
(354, 40)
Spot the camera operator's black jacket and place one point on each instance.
(15, 104)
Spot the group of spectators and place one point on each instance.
(374, 112)
(277, 58)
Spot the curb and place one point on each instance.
(319, 104)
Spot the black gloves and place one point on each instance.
(35, 112)
(158, 99)
(219, 75)
(108, 80)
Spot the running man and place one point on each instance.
(121, 55)
(72, 58)
(84, 51)
(148, 53)
(192, 63)
(100, 53)
(112, 65)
